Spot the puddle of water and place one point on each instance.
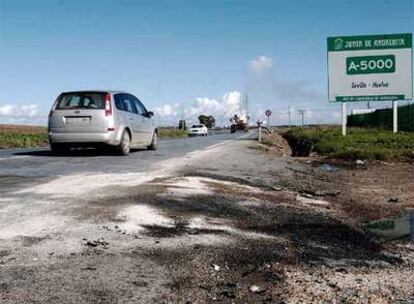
(328, 168)
(393, 229)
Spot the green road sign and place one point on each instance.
(370, 68)
(370, 42)
(370, 64)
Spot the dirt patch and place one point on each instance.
(88, 278)
(307, 236)
(225, 274)
(365, 192)
(276, 143)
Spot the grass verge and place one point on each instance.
(171, 133)
(9, 141)
(22, 136)
(358, 144)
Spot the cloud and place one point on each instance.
(221, 108)
(168, 110)
(19, 111)
(228, 105)
(261, 63)
(22, 114)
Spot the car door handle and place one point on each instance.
(131, 118)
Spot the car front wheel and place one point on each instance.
(124, 146)
(154, 142)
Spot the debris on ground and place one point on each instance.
(96, 243)
(255, 288)
(359, 162)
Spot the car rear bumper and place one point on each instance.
(69, 137)
(195, 133)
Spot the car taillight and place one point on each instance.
(108, 106)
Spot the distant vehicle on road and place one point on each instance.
(238, 124)
(96, 118)
(198, 130)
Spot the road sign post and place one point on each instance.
(260, 133)
(370, 68)
(268, 113)
(395, 116)
(344, 118)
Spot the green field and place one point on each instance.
(12, 136)
(358, 144)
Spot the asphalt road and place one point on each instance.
(41, 163)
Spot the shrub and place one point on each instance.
(358, 144)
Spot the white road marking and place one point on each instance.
(14, 157)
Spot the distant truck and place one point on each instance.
(238, 124)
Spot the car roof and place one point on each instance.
(95, 91)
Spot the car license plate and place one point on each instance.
(77, 120)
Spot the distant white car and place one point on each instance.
(198, 130)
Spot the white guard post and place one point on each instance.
(260, 132)
(395, 116)
(344, 118)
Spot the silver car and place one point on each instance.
(94, 118)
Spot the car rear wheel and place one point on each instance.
(124, 146)
(154, 142)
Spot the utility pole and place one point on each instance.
(290, 113)
(182, 111)
(246, 104)
(302, 113)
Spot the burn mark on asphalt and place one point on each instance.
(180, 228)
(12, 183)
(4, 253)
(28, 241)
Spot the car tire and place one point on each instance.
(59, 149)
(124, 146)
(154, 143)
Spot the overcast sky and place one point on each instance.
(182, 57)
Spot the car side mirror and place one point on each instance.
(150, 114)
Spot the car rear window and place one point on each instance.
(81, 100)
(197, 126)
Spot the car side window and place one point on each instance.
(129, 104)
(140, 106)
(119, 104)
